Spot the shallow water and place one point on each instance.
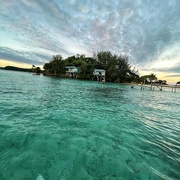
(53, 129)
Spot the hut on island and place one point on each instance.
(99, 74)
(71, 72)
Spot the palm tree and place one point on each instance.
(152, 77)
(33, 68)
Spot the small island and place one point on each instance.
(13, 68)
(34, 69)
(103, 66)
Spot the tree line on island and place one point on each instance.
(117, 67)
(34, 69)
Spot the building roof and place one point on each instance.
(71, 67)
(100, 70)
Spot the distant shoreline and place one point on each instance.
(28, 70)
(13, 68)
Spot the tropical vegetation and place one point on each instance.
(117, 67)
(36, 70)
(13, 68)
(148, 79)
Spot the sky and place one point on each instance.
(148, 31)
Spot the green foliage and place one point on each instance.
(78, 63)
(55, 67)
(37, 70)
(162, 82)
(69, 61)
(48, 67)
(148, 78)
(85, 71)
(117, 67)
(104, 59)
(13, 68)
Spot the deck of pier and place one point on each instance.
(159, 86)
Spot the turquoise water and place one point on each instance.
(55, 129)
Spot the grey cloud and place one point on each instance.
(173, 75)
(174, 69)
(24, 57)
(143, 29)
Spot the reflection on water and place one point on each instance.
(71, 129)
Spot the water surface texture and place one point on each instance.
(55, 129)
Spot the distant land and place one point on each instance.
(13, 68)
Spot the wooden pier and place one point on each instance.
(152, 86)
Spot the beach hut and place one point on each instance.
(100, 74)
(71, 72)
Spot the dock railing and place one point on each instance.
(159, 86)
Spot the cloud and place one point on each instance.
(21, 56)
(147, 31)
(167, 61)
(174, 69)
(173, 75)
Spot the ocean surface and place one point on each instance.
(64, 129)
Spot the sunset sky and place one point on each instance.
(148, 31)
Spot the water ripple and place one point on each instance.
(54, 128)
